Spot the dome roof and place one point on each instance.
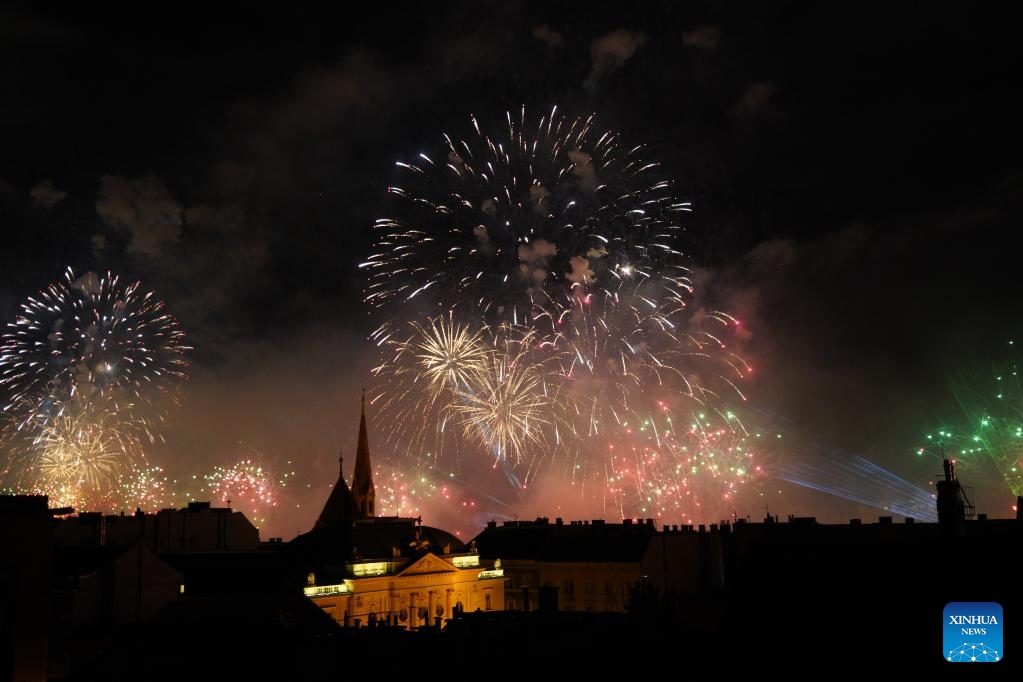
(379, 537)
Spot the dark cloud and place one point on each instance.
(19, 25)
(227, 218)
(548, 35)
(582, 167)
(45, 195)
(609, 52)
(755, 99)
(703, 37)
(320, 97)
(144, 208)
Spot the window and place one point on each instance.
(569, 587)
(488, 600)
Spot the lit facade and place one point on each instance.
(410, 593)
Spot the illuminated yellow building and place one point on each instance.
(412, 589)
(366, 570)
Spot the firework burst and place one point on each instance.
(79, 450)
(949, 442)
(534, 294)
(697, 467)
(87, 370)
(88, 338)
(554, 228)
(249, 484)
(425, 374)
(504, 409)
(143, 487)
(449, 355)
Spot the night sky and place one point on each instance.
(853, 170)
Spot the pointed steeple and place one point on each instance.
(340, 509)
(362, 480)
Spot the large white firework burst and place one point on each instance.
(551, 240)
(88, 370)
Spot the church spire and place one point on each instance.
(340, 509)
(362, 480)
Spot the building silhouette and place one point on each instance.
(26, 551)
(196, 528)
(587, 566)
(192, 593)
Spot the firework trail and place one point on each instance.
(534, 298)
(87, 371)
(992, 405)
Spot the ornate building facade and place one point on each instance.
(366, 570)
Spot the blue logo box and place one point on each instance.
(972, 632)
